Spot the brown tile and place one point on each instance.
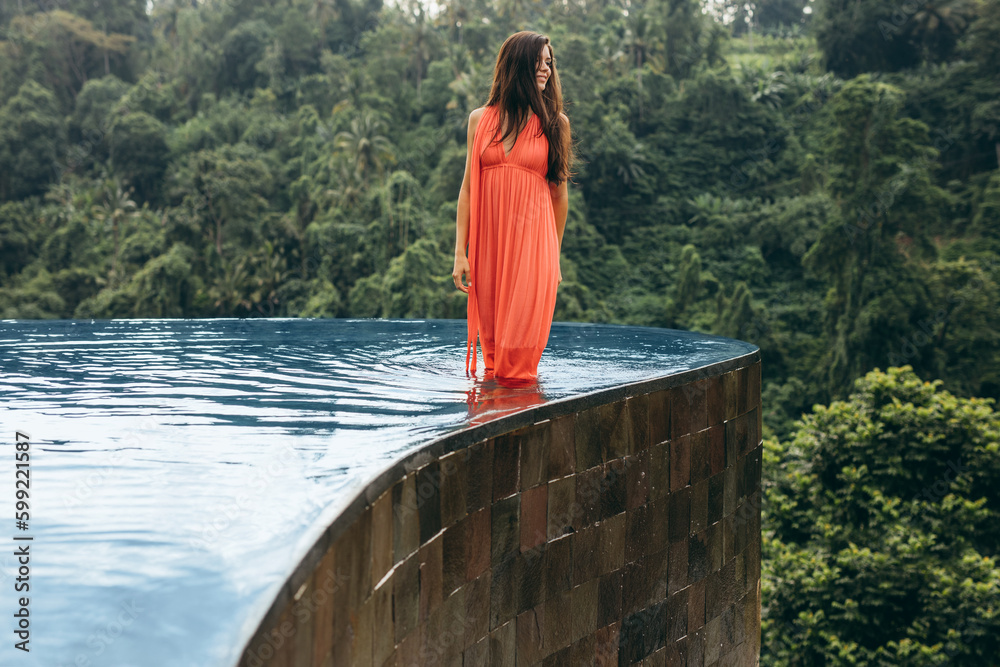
(657, 576)
(679, 523)
(696, 648)
(361, 646)
(443, 636)
(477, 608)
(680, 463)
(506, 466)
(533, 445)
(409, 647)
(588, 438)
(637, 479)
(580, 653)
(383, 634)
(479, 476)
(406, 596)
(713, 641)
(588, 497)
(678, 566)
(717, 449)
(716, 497)
(714, 403)
(586, 556)
(659, 470)
(611, 544)
(477, 543)
(606, 639)
(730, 398)
(558, 618)
(634, 587)
(454, 482)
(659, 416)
(323, 600)
(638, 413)
(431, 569)
(728, 539)
(353, 561)
(477, 655)
(561, 506)
(698, 562)
(714, 534)
(505, 529)
(405, 518)
(503, 593)
(558, 566)
(429, 500)
(701, 467)
(688, 408)
(699, 506)
(530, 576)
(562, 447)
(616, 430)
(743, 390)
(503, 645)
(729, 491)
(753, 385)
(561, 657)
(696, 606)
(657, 522)
(381, 547)
(453, 557)
(534, 506)
(677, 615)
(677, 654)
(529, 636)
(609, 598)
(612, 488)
(583, 601)
(636, 533)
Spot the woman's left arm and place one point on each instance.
(560, 205)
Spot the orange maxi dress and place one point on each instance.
(513, 251)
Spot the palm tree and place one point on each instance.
(364, 143)
(117, 208)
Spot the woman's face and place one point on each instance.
(544, 68)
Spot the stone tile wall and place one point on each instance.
(627, 533)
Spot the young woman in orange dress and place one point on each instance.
(512, 211)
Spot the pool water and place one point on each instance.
(181, 468)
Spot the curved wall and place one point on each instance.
(609, 529)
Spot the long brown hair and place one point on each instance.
(515, 91)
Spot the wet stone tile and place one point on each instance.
(659, 416)
(588, 497)
(659, 470)
(680, 463)
(636, 534)
(530, 577)
(717, 449)
(634, 587)
(558, 628)
(699, 506)
(503, 593)
(642, 633)
(616, 431)
(533, 445)
(588, 438)
(428, 492)
(606, 646)
(405, 518)
(529, 637)
(637, 479)
(477, 608)
(406, 596)
(506, 460)
(431, 570)
(381, 546)
(678, 566)
(583, 601)
(701, 467)
(454, 481)
(453, 558)
(714, 401)
(638, 412)
(479, 476)
(503, 646)
(698, 563)
(679, 523)
(716, 497)
(562, 447)
(696, 606)
(478, 543)
(534, 507)
(612, 488)
(562, 512)
(677, 615)
(558, 566)
(505, 530)
(609, 598)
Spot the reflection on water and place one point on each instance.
(181, 468)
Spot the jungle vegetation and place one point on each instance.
(819, 178)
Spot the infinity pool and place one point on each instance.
(181, 468)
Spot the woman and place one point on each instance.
(512, 211)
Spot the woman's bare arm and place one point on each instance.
(461, 267)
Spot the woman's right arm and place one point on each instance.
(462, 222)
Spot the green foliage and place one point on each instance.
(881, 530)
(31, 141)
